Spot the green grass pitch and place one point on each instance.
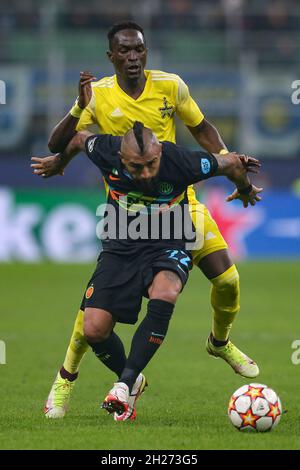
(185, 405)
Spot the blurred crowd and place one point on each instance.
(270, 28)
(237, 37)
(269, 15)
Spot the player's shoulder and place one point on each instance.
(174, 152)
(103, 149)
(105, 82)
(161, 76)
(103, 143)
(173, 162)
(170, 150)
(166, 82)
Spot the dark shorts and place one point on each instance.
(120, 282)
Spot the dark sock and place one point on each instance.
(111, 352)
(147, 339)
(67, 375)
(216, 342)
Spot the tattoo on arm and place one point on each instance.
(171, 276)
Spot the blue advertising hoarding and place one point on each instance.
(61, 225)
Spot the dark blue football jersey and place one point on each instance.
(158, 215)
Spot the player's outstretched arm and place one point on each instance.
(66, 128)
(55, 164)
(208, 137)
(236, 168)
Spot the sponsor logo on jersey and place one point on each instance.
(166, 110)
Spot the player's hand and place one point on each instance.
(85, 89)
(250, 164)
(251, 198)
(47, 166)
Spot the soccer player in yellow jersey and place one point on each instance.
(153, 97)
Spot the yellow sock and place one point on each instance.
(77, 347)
(225, 300)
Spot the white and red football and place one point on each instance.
(254, 407)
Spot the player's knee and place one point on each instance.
(231, 287)
(226, 289)
(229, 280)
(170, 296)
(94, 329)
(167, 294)
(94, 334)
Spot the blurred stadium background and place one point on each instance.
(239, 58)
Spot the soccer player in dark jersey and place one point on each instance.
(147, 179)
(153, 97)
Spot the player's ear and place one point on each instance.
(159, 145)
(109, 55)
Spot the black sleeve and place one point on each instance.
(102, 149)
(193, 166)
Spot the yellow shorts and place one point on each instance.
(210, 238)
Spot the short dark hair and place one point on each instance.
(119, 27)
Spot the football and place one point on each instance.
(254, 407)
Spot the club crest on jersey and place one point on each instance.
(89, 292)
(166, 188)
(166, 110)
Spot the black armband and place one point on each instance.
(246, 190)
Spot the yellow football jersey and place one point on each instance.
(165, 94)
(114, 112)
